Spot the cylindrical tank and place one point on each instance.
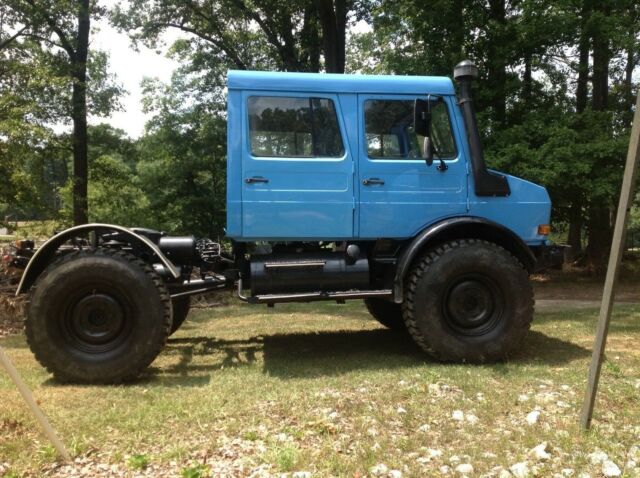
(310, 272)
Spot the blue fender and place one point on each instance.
(45, 254)
(462, 227)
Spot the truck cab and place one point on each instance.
(339, 187)
(337, 157)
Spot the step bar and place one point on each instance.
(338, 296)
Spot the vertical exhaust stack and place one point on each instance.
(487, 183)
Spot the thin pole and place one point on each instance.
(617, 248)
(33, 406)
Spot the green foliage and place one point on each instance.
(138, 462)
(114, 195)
(195, 471)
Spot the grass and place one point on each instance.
(323, 388)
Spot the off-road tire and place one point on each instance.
(386, 312)
(98, 316)
(180, 307)
(468, 301)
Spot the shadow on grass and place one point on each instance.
(308, 355)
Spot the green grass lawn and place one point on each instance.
(322, 388)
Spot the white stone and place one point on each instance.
(504, 474)
(520, 470)
(540, 452)
(282, 437)
(457, 415)
(464, 468)
(609, 469)
(471, 419)
(445, 469)
(523, 398)
(395, 474)
(567, 471)
(424, 428)
(301, 474)
(584, 474)
(379, 470)
(598, 457)
(401, 411)
(631, 464)
(533, 417)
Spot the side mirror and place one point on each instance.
(427, 150)
(422, 127)
(421, 117)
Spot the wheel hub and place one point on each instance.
(97, 319)
(473, 305)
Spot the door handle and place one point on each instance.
(371, 181)
(256, 179)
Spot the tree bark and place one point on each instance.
(575, 229)
(79, 115)
(583, 61)
(333, 21)
(497, 73)
(599, 222)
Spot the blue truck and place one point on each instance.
(338, 187)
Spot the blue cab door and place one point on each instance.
(398, 193)
(297, 170)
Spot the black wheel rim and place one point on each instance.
(96, 320)
(473, 304)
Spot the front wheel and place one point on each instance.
(98, 316)
(468, 301)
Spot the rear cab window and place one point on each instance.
(294, 127)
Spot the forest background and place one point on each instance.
(555, 98)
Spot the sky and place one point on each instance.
(130, 67)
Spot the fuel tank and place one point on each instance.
(310, 272)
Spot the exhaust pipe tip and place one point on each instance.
(465, 70)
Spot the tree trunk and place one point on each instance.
(310, 39)
(333, 20)
(583, 61)
(79, 116)
(599, 226)
(527, 81)
(599, 214)
(575, 229)
(497, 74)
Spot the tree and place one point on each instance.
(545, 111)
(55, 37)
(251, 34)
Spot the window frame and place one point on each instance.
(403, 97)
(297, 95)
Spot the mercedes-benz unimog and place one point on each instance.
(338, 187)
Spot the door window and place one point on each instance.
(390, 135)
(294, 127)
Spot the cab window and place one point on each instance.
(299, 127)
(390, 135)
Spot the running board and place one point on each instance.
(339, 296)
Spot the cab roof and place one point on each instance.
(337, 83)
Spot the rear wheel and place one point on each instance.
(181, 307)
(468, 301)
(98, 316)
(386, 312)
